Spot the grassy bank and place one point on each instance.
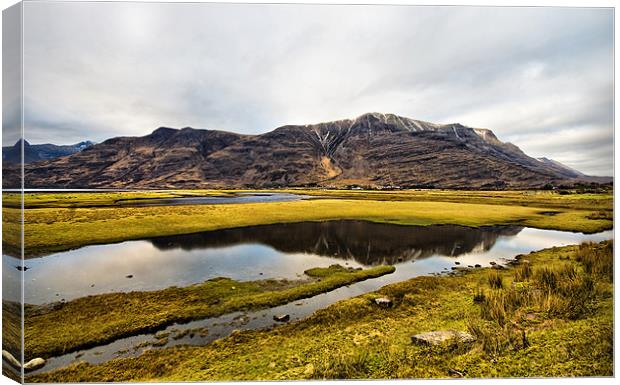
(534, 198)
(100, 199)
(94, 320)
(11, 327)
(549, 316)
(56, 229)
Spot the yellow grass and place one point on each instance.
(53, 229)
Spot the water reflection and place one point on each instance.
(365, 242)
(273, 251)
(496, 245)
(216, 200)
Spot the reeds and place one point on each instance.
(523, 272)
(495, 279)
(565, 290)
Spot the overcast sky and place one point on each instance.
(541, 78)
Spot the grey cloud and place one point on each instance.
(97, 70)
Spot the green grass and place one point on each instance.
(11, 327)
(61, 228)
(99, 199)
(601, 202)
(11, 336)
(535, 198)
(496, 280)
(321, 272)
(94, 320)
(524, 329)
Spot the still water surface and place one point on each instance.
(275, 251)
(216, 200)
(260, 252)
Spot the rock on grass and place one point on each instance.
(440, 337)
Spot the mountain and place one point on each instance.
(38, 152)
(561, 168)
(374, 150)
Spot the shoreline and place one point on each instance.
(49, 230)
(421, 304)
(86, 322)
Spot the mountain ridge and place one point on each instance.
(39, 152)
(372, 150)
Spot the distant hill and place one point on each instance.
(38, 152)
(372, 150)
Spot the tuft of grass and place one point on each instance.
(496, 339)
(340, 367)
(523, 272)
(321, 272)
(495, 279)
(500, 305)
(479, 296)
(594, 260)
(559, 290)
(553, 278)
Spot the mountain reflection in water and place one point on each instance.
(280, 251)
(367, 243)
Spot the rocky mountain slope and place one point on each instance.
(373, 150)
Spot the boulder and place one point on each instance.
(282, 317)
(34, 364)
(383, 302)
(9, 358)
(242, 319)
(440, 337)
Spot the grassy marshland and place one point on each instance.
(549, 315)
(52, 330)
(11, 327)
(101, 198)
(535, 198)
(50, 227)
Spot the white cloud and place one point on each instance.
(97, 70)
